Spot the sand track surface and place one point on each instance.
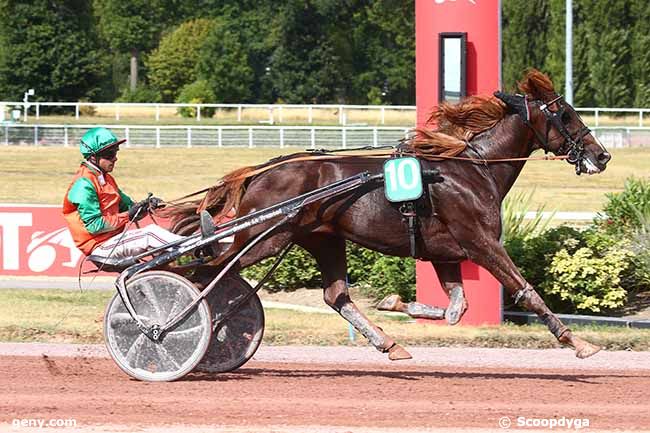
(327, 390)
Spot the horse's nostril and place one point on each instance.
(604, 157)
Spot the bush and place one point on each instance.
(141, 94)
(592, 284)
(198, 92)
(376, 274)
(298, 270)
(391, 275)
(628, 210)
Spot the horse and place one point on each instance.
(479, 146)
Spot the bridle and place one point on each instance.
(572, 147)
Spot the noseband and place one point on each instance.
(572, 147)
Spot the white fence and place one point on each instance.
(262, 113)
(280, 113)
(259, 136)
(217, 136)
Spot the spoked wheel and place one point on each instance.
(158, 296)
(236, 339)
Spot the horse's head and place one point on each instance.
(556, 126)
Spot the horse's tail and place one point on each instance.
(221, 200)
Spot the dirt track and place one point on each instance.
(337, 392)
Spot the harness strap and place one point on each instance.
(374, 154)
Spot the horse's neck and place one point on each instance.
(508, 139)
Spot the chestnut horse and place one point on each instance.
(484, 142)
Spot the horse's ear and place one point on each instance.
(536, 84)
(516, 104)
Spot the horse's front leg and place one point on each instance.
(493, 257)
(329, 253)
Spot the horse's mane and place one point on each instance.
(454, 125)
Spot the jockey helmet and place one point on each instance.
(95, 140)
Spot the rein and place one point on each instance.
(375, 154)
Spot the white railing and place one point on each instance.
(597, 114)
(218, 136)
(278, 113)
(256, 136)
(263, 113)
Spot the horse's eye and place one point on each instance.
(565, 117)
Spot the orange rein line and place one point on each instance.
(373, 154)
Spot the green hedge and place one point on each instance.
(376, 274)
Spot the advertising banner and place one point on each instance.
(35, 241)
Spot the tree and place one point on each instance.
(50, 46)
(174, 63)
(225, 66)
(525, 27)
(609, 53)
(133, 26)
(383, 54)
(640, 52)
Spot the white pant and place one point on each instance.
(135, 242)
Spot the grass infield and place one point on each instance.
(41, 175)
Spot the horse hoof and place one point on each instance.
(397, 353)
(389, 303)
(586, 350)
(457, 306)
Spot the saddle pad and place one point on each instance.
(402, 179)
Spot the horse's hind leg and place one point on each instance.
(329, 253)
(452, 284)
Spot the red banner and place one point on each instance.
(35, 241)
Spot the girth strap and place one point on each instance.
(409, 212)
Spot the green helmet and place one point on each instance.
(96, 140)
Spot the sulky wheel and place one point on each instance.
(158, 296)
(235, 340)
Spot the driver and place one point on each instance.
(97, 211)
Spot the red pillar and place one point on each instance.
(481, 21)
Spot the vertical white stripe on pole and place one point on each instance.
(280, 114)
(65, 136)
(250, 137)
(157, 138)
(239, 113)
(310, 114)
(219, 137)
(76, 111)
(281, 138)
(38, 110)
(568, 71)
(344, 137)
(35, 135)
(189, 137)
(126, 135)
(374, 137)
(198, 113)
(313, 138)
(117, 111)
(157, 113)
(6, 135)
